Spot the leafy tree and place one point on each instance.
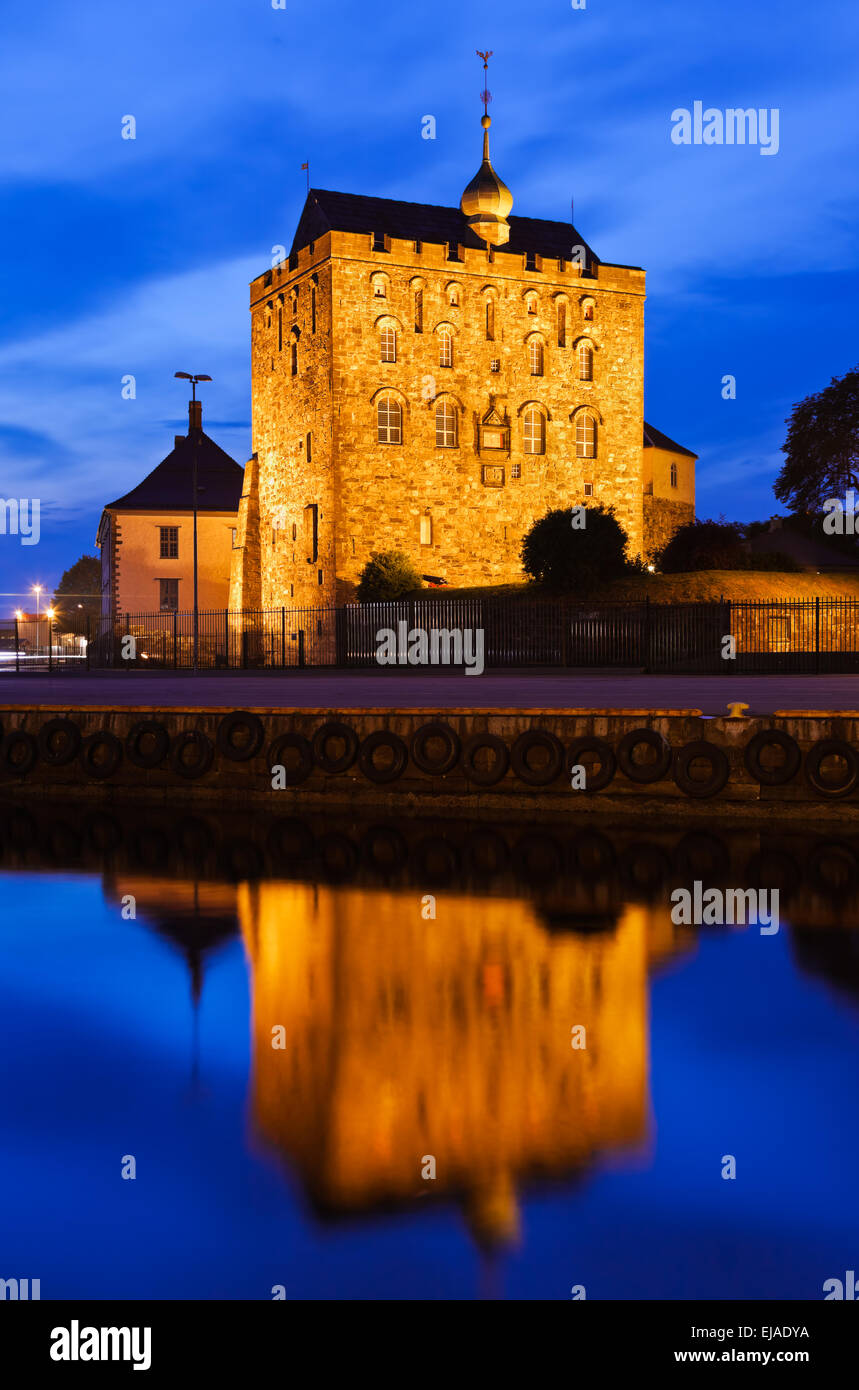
(577, 548)
(78, 593)
(388, 574)
(704, 545)
(822, 446)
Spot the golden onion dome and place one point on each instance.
(487, 200)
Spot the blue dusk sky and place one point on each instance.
(133, 256)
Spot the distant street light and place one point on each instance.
(201, 376)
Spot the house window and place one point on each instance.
(419, 246)
(453, 251)
(589, 489)
(674, 475)
(389, 418)
(313, 309)
(535, 357)
(562, 325)
(531, 303)
(589, 312)
(388, 341)
(426, 530)
(419, 311)
(280, 330)
(516, 470)
(169, 542)
(586, 436)
(445, 348)
(535, 431)
(445, 425)
(379, 241)
(309, 448)
(490, 321)
(531, 261)
(233, 534)
(586, 362)
(169, 595)
(380, 289)
(294, 359)
(311, 538)
(495, 365)
(293, 260)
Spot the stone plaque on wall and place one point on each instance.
(493, 475)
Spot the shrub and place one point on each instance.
(704, 545)
(565, 556)
(388, 574)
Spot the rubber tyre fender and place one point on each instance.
(772, 776)
(719, 764)
(493, 774)
(205, 754)
(240, 719)
(69, 748)
(607, 759)
(825, 747)
(540, 776)
(644, 772)
(147, 728)
(424, 735)
(18, 740)
(333, 729)
(383, 738)
(305, 757)
(99, 771)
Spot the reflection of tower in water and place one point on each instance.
(450, 1038)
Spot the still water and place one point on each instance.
(282, 1037)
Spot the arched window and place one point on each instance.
(419, 311)
(535, 357)
(453, 297)
(490, 321)
(388, 344)
(380, 287)
(445, 425)
(389, 417)
(674, 475)
(279, 329)
(586, 362)
(586, 436)
(589, 310)
(535, 431)
(531, 303)
(562, 324)
(445, 348)
(294, 357)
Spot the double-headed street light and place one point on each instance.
(201, 376)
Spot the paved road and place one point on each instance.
(531, 689)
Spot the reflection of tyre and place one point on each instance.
(147, 743)
(699, 855)
(384, 851)
(826, 786)
(785, 771)
(191, 753)
(149, 847)
(537, 858)
(291, 844)
(545, 769)
(19, 753)
(478, 772)
(831, 869)
(59, 742)
(486, 854)
(101, 755)
(249, 729)
(334, 732)
(654, 771)
(774, 868)
(103, 832)
(338, 857)
(447, 745)
(383, 772)
(242, 859)
(644, 869)
(297, 768)
(604, 754)
(195, 840)
(696, 752)
(434, 860)
(63, 843)
(591, 856)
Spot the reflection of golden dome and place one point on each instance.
(487, 201)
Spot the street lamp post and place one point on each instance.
(186, 376)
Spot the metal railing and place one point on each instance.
(795, 635)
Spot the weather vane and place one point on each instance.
(485, 95)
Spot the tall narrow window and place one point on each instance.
(445, 348)
(426, 530)
(309, 448)
(586, 436)
(589, 311)
(445, 425)
(279, 329)
(294, 355)
(530, 260)
(313, 309)
(674, 475)
(379, 241)
(562, 324)
(169, 595)
(490, 321)
(311, 538)
(535, 357)
(586, 362)
(389, 421)
(535, 431)
(388, 340)
(169, 542)
(419, 311)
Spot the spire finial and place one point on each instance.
(487, 200)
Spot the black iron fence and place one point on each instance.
(796, 635)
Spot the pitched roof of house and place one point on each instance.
(325, 211)
(655, 439)
(168, 488)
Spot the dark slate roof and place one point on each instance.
(655, 439)
(325, 211)
(168, 487)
